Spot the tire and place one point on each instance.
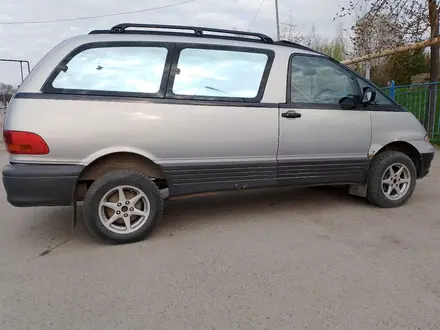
(103, 201)
(380, 179)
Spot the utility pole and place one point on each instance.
(278, 19)
(368, 70)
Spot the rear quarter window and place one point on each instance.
(112, 69)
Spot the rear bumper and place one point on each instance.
(40, 185)
(425, 164)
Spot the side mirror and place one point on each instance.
(368, 95)
(348, 102)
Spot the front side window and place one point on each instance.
(114, 69)
(318, 80)
(219, 73)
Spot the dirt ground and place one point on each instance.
(273, 259)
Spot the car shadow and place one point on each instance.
(54, 225)
(233, 206)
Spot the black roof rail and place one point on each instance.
(296, 45)
(196, 31)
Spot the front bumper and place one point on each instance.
(425, 164)
(40, 185)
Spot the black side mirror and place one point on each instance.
(368, 95)
(348, 102)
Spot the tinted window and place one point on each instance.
(318, 80)
(118, 69)
(380, 98)
(219, 73)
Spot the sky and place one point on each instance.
(31, 41)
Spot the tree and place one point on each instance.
(291, 32)
(6, 92)
(335, 47)
(413, 20)
(401, 67)
(372, 35)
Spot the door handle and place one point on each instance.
(291, 114)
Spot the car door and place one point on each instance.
(321, 141)
(219, 133)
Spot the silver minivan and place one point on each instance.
(122, 119)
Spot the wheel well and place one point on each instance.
(115, 162)
(405, 148)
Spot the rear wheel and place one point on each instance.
(391, 179)
(122, 207)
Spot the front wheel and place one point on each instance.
(122, 207)
(391, 179)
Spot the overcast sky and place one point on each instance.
(32, 41)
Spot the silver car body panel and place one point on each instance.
(323, 134)
(86, 130)
(388, 127)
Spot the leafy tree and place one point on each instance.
(335, 47)
(6, 92)
(292, 32)
(372, 35)
(401, 67)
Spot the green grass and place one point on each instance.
(436, 141)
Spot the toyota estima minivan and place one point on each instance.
(124, 118)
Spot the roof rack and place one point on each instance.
(196, 31)
(296, 45)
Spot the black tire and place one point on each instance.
(379, 165)
(108, 182)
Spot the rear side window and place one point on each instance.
(221, 74)
(106, 70)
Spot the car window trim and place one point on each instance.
(48, 84)
(393, 107)
(314, 106)
(261, 89)
(129, 99)
(305, 105)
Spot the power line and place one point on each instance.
(99, 16)
(256, 14)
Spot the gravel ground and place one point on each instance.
(272, 259)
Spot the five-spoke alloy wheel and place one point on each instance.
(391, 179)
(122, 206)
(124, 209)
(396, 181)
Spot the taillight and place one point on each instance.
(24, 143)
